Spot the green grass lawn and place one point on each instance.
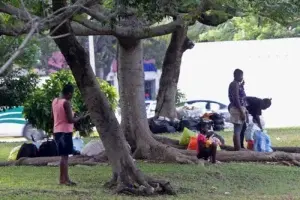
(225, 181)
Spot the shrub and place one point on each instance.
(15, 88)
(37, 108)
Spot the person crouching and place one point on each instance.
(207, 148)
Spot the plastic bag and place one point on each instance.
(193, 143)
(13, 153)
(93, 148)
(250, 130)
(78, 144)
(262, 142)
(186, 136)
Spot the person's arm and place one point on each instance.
(69, 113)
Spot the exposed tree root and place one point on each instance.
(156, 151)
(48, 161)
(168, 141)
(131, 181)
(282, 149)
(252, 156)
(227, 148)
(287, 149)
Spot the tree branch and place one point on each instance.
(14, 30)
(80, 30)
(44, 23)
(125, 32)
(13, 11)
(20, 49)
(96, 15)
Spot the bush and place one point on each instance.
(37, 108)
(15, 88)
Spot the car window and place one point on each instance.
(199, 105)
(214, 106)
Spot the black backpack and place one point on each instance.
(48, 149)
(27, 151)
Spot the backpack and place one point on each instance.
(27, 151)
(161, 126)
(48, 149)
(191, 123)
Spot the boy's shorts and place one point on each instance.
(235, 115)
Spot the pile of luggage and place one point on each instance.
(165, 125)
(189, 139)
(43, 148)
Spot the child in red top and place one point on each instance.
(206, 148)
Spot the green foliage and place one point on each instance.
(8, 45)
(248, 28)
(15, 88)
(37, 108)
(155, 48)
(281, 11)
(180, 96)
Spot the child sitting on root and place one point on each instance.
(207, 144)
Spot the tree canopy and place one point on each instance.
(248, 28)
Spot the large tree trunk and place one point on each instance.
(125, 173)
(166, 98)
(134, 119)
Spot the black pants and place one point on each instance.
(204, 153)
(243, 134)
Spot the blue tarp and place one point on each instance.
(149, 67)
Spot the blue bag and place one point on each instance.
(262, 142)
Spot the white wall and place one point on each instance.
(271, 69)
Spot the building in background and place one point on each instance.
(152, 77)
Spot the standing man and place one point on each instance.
(237, 106)
(64, 120)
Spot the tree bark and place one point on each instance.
(166, 98)
(125, 173)
(134, 120)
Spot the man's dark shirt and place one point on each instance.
(241, 94)
(254, 106)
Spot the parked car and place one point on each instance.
(13, 124)
(207, 106)
(213, 106)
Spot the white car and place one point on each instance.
(13, 124)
